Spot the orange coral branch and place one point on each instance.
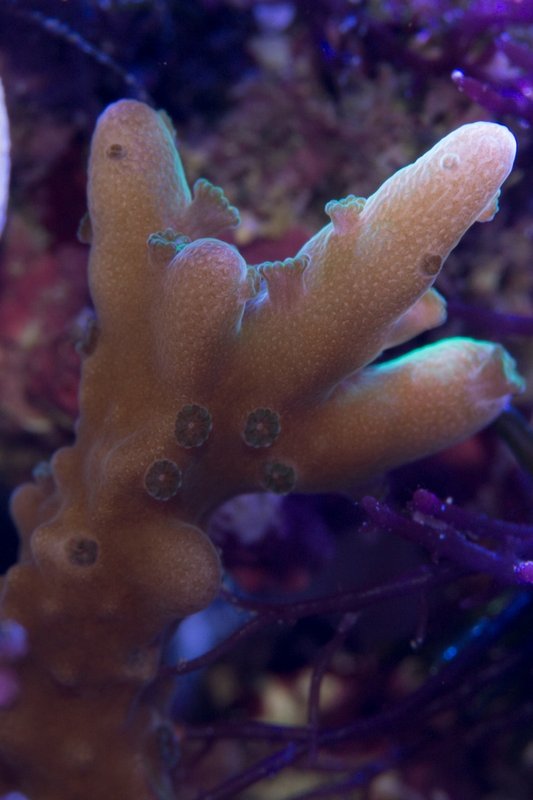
(202, 379)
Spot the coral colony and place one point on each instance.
(204, 378)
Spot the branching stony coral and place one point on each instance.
(204, 378)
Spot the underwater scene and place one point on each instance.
(266, 397)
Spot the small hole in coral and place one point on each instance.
(262, 428)
(431, 264)
(162, 479)
(116, 151)
(193, 425)
(82, 552)
(279, 478)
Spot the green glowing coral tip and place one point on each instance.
(517, 383)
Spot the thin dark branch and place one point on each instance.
(342, 602)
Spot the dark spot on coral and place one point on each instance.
(279, 478)
(431, 264)
(262, 428)
(162, 479)
(116, 151)
(167, 745)
(193, 425)
(82, 552)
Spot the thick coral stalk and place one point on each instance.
(204, 378)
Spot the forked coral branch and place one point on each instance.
(204, 378)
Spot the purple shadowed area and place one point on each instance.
(505, 556)
(489, 322)
(485, 47)
(276, 540)
(14, 796)
(13, 647)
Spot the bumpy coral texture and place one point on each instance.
(204, 378)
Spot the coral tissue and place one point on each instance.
(204, 377)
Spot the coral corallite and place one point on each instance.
(206, 378)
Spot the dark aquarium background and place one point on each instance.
(371, 650)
